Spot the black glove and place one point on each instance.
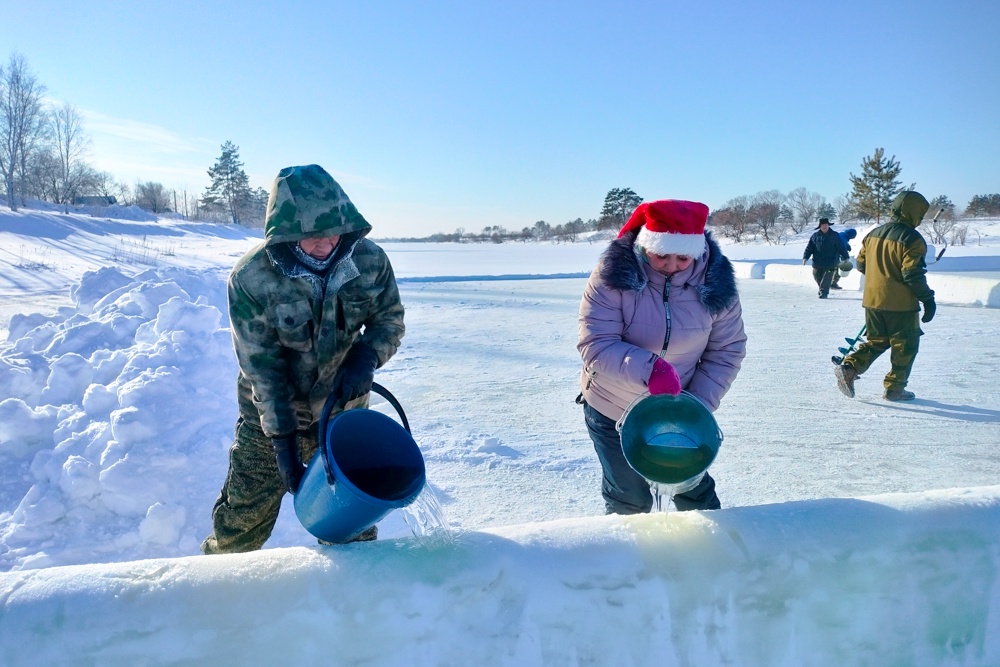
(929, 309)
(286, 453)
(356, 373)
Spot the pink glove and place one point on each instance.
(664, 379)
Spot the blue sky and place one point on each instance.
(441, 115)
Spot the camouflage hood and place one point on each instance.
(306, 202)
(909, 207)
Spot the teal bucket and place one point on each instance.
(669, 439)
(367, 465)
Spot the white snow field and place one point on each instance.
(853, 531)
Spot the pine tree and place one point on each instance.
(877, 186)
(230, 188)
(618, 206)
(826, 210)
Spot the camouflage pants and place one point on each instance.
(887, 330)
(247, 508)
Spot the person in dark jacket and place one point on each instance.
(827, 250)
(892, 259)
(846, 236)
(314, 310)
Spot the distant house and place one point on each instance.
(94, 200)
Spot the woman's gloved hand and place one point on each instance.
(664, 379)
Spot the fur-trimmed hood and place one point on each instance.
(620, 269)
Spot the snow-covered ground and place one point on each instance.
(117, 404)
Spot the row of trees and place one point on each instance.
(773, 216)
(41, 146)
(44, 150)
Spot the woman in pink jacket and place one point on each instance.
(661, 313)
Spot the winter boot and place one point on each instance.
(835, 286)
(897, 395)
(845, 379)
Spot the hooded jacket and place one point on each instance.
(624, 324)
(292, 327)
(892, 258)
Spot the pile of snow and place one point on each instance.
(97, 417)
(112, 211)
(117, 212)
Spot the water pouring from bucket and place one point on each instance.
(671, 441)
(367, 465)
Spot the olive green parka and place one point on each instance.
(892, 258)
(292, 327)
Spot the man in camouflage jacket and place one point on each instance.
(892, 259)
(314, 311)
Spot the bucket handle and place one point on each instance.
(333, 400)
(621, 422)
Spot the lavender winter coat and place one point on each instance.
(623, 324)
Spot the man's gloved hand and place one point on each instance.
(804, 262)
(929, 309)
(664, 379)
(286, 453)
(356, 373)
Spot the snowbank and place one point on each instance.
(969, 286)
(901, 579)
(97, 417)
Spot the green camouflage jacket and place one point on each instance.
(892, 258)
(291, 328)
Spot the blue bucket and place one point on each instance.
(669, 439)
(367, 465)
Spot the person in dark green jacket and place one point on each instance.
(314, 310)
(892, 259)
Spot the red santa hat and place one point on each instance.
(669, 227)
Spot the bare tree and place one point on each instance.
(846, 210)
(71, 146)
(804, 204)
(152, 197)
(766, 212)
(734, 219)
(943, 221)
(22, 121)
(116, 192)
(40, 180)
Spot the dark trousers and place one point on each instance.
(889, 330)
(823, 278)
(627, 492)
